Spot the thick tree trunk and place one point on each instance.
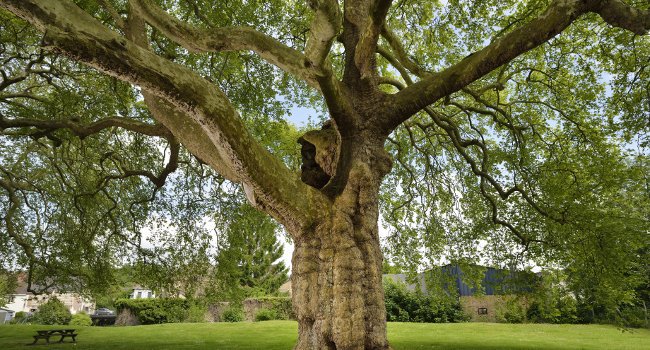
(337, 289)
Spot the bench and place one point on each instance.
(63, 333)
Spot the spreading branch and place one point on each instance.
(157, 180)
(559, 15)
(400, 53)
(230, 39)
(480, 166)
(84, 130)
(323, 29)
(75, 33)
(404, 73)
(369, 34)
(622, 15)
(12, 207)
(196, 140)
(312, 66)
(119, 21)
(555, 19)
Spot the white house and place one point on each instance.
(22, 300)
(140, 292)
(5, 315)
(17, 301)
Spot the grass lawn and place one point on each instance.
(282, 335)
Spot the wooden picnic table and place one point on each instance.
(63, 333)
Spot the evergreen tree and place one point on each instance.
(249, 258)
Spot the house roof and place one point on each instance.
(21, 285)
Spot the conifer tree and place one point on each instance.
(249, 262)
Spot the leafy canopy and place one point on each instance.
(544, 160)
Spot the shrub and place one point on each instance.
(568, 310)
(512, 311)
(196, 313)
(126, 317)
(552, 301)
(232, 315)
(52, 312)
(403, 305)
(398, 300)
(632, 316)
(81, 319)
(265, 315)
(153, 315)
(21, 317)
(562, 309)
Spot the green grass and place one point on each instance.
(282, 335)
(483, 336)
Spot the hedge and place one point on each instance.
(81, 319)
(403, 305)
(163, 310)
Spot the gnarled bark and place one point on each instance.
(336, 280)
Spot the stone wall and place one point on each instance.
(251, 306)
(472, 304)
(493, 305)
(126, 317)
(280, 305)
(215, 311)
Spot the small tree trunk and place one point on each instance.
(645, 313)
(338, 296)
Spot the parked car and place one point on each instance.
(102, 311)
(103, 317)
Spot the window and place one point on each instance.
(482, 311)
(139, 295)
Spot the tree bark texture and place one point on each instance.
(337, 289)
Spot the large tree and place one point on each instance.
(509, 123)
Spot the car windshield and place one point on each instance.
(103, 311)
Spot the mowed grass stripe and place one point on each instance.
(281, 335)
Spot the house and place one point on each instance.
(23, 300)
(6, 315)
(139, 292)
(483, 292)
